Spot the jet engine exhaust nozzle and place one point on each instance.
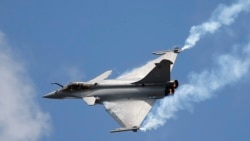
(171, 86)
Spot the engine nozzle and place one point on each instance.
(171, 86)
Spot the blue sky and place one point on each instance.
(47, 41)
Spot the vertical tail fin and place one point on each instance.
(160, 73)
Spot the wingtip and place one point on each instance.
(134, 129)
(178, 50)
(175, 50)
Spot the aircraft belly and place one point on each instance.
(129, 92)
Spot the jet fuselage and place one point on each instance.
(110, 90)
(129, 98)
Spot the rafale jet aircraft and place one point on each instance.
(128, 98)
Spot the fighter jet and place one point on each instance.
(128, 98)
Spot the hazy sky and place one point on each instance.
(58, 41)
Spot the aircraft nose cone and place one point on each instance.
(50, 95)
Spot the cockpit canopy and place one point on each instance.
(75, 86)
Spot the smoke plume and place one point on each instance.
(223, 15)
(21, 118)
(201, 86)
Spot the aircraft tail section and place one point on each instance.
(160, 68)
(143, 71)
(160, 73)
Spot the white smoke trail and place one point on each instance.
(202, 86)
(223, 15)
